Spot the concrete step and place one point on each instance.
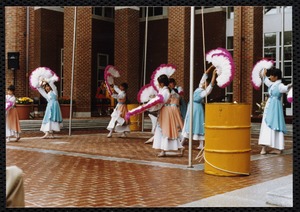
(27, 125)
(282, 196)
(102, 122)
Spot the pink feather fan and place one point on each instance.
(290, 96)
(110, 73)
(225, 68)
(166, 69)
(257, 71)
(40, 74)
(8, 105)
(146, 93)
(145, 107)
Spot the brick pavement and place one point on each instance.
(107, 174)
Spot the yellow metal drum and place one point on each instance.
(135, 121)
(227, 139)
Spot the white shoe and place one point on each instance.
(161, 154)
(109, 135)
(263, 151)
(149, 141)
(8, 139)
(46, 135)
(123, 135)
(182, 151)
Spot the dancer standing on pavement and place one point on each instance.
(273, 125)
(118, 122)
(52, 120)
(198, 114)
(167, 135)
(12, 118)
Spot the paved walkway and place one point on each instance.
(89, 170)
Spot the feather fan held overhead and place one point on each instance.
(225, 68)
(215, 51)
(41, 74)
(166, 69)
(109, 73)
(290, 96)
(256, 79)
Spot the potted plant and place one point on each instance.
(24, 107)
(65, 102)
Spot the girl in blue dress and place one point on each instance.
(52, 120)
(198, 114)
(273, 124)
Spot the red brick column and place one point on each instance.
(247, 49)
(15, 41)
(179, 44)
(127, 48)
(83, 51)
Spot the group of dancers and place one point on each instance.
(170, 119)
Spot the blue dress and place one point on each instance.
(198, 113)
(273, 124)
(52, 120)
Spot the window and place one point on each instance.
(270, 10)
(272, 50)
(106, 12)
(102, 62)
(230, 12)
(229, 88)
(154, 13)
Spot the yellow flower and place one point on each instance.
(24, 100)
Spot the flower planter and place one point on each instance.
(24, 111)
(65, 110)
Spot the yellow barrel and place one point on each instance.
(135, 121)
(227, 139)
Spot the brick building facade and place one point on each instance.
(50, 43)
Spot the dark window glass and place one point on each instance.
(230, 42)
(270, 10)
(270, 39)
(270, 53)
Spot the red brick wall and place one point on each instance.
(127, 49)
(82, 68)
(15, 41)
(247, 50)
(179, 44)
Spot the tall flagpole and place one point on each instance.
(145, 58)
(72, 79)
(191, 84)
(203, 43)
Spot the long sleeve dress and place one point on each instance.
(12, 118)
(273, 125)
(117, 121)
(169, 123)
(52, 120)
(198, 112)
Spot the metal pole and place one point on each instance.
(191, 84)
(145, 59)
(203, 43)
(72, 78)
(27, 50)
(282, 40)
